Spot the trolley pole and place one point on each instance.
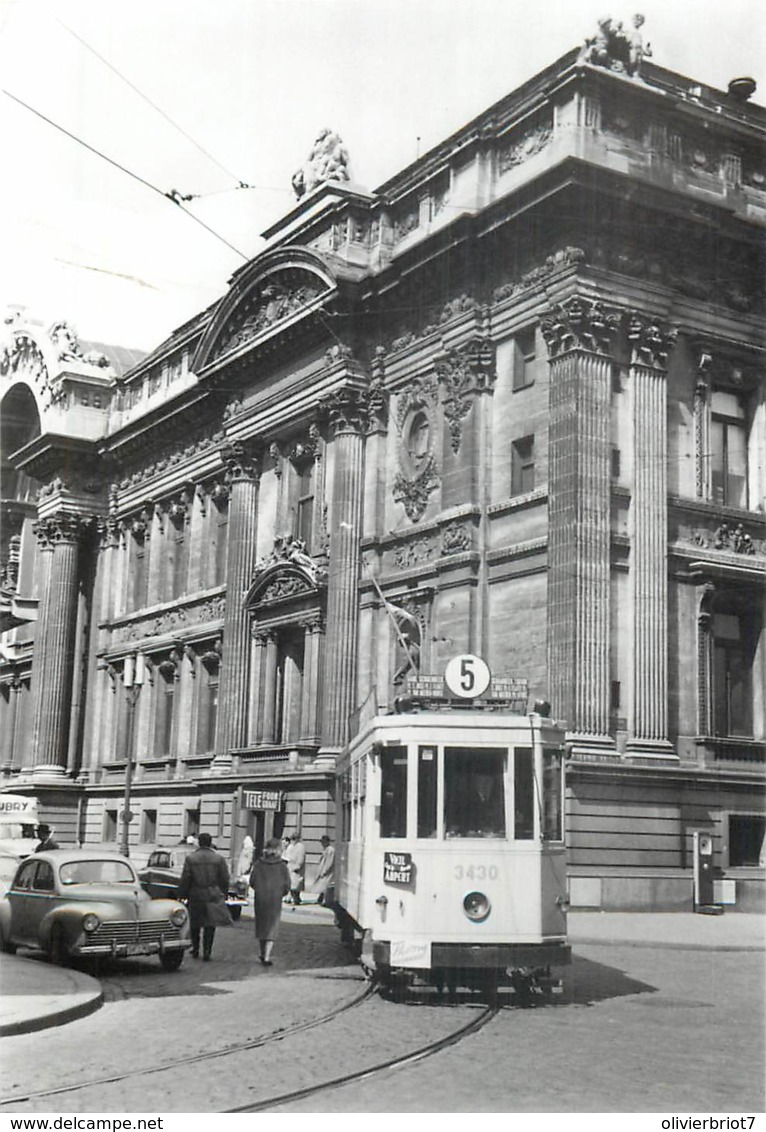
(132, 678)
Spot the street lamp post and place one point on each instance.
(132, 678)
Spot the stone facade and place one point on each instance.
(517, 394)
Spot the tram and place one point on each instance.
(450, 861)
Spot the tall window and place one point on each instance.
(304, 506)
(110, 825)
(289, 687)
(207, 704)
(179, 554)
(219, 520)
(393, 792)
(164, 691)
(523, 465)
(728, 449)
(139, 566)
(474, 801)
(524, 358)
(733, 654)
(149, 825)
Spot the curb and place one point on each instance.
(53, 1017)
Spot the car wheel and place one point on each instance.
(6, 946)
(59, 951)
(235, 912)
(172, 960)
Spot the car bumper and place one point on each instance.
(121, 950)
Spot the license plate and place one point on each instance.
(135, 949)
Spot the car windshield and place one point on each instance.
(96, 872)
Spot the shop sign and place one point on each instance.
(397, 868)
(262, 799)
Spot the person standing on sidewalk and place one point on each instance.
(325, 869)
(270, 880)
(295, 859)
(204, 883)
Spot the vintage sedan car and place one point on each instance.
(73, 902)
(162, 876)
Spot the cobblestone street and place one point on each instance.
(648, 1028)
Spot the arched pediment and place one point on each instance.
(289, 573)
(272, 290)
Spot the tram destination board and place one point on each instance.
(509, 693)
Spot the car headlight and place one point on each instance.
(90, 922)
(178, 917)
(476, 906)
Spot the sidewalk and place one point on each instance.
(34, 994)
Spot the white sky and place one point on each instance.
(252, 82)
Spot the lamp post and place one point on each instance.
(132, 678)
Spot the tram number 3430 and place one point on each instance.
(475, 872)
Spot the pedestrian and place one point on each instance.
(45, 833)
(325, 868)
(270, 880)
(245, 859)
(204, 883)
(295, 859)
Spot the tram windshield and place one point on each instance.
(474, 804)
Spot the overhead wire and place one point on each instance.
(173, 195)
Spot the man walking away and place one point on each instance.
(204, 883)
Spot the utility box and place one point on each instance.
(703, 870)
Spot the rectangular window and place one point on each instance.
(393, 792)
(164, 691)
(304, 510)
(524, 354)
(149, 825)
(732, 676)
(207, 708)
(139, 571)
(289, 687)
(728, 455)
(523, 795)
(179, 554)
(552, 795)
(427, 791)
(191, 823)
(110, 825)
(474, 792)
(746, 836)
(220, 520)
(523, 465)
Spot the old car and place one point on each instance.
(77, 902)
(162, 876)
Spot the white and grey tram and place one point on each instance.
(450, 863)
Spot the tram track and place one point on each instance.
(411, 1058)
(206, 1056)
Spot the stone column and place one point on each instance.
(349, 413)
(54, 649)
(243, 477)
(649, 346)
(269, 690)
(579, 334)
(313, 631)
(705, 660)
(9, 756)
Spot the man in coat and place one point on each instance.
(325, 868)
(45, 833)
(204, 883)
(295, 858)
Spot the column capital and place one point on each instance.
(60, 529)
(650, 341)
(243, 461)
(580, 324)
(355, 410)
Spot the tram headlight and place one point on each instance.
(476, 906)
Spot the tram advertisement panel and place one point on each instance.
(397, 868)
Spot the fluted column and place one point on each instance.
(349, 416)
(269, 692)
(54, 649)
(649, 344)
(579, 334)
(243, 478)
(313, 633)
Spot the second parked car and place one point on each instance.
(162, 876)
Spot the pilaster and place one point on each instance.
(650, 344)
(243, 478)
(579, 334)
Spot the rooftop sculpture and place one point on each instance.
(328, 161)
(615, 48)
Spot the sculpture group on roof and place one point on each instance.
(615, 48)
(328, 161)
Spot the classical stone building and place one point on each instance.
(517, 394)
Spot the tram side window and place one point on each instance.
(393, 792)
(552, 796)
(426, 791)
(524, 795)
(474, 796)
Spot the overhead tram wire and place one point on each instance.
(173, 195)
(240, 184)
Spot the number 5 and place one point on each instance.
(467, 676)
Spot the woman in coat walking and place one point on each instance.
(270, 880)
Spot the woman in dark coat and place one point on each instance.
(270, 880)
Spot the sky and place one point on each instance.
(199, 95)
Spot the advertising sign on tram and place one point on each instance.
(397, 868)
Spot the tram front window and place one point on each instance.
(474, 804)
(393, 792)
